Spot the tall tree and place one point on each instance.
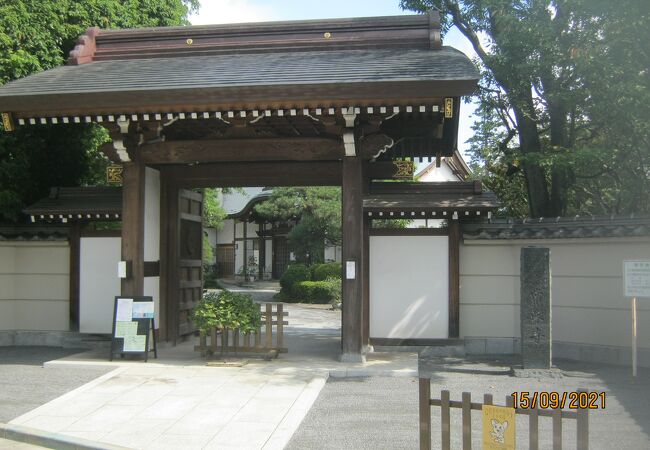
(36, 35)
(564, 89)
(317, 214)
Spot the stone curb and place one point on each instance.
(47, 439)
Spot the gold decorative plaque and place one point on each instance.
(114, 174)
(7, 122)
(404, 170)
(449, 108)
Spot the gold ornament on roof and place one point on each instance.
(114, 174)
(404, 170)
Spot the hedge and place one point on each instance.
(321, 272)
(328, 291)
(294, 274)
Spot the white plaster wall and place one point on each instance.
(409, 287)
(235, 201)
(268, 256)
(152, 235)
(225, 234)
(34, 286)
(98, 283)
(586, 288)
(442, 173)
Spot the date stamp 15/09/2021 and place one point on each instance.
(558, 400)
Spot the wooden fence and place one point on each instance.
(264, 340)
(467, 406)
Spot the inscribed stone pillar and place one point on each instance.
(536, 308)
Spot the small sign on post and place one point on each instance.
(636, 280)
(498, 428)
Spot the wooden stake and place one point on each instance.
(634, 336)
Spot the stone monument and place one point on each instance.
(536, 336)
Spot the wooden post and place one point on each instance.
(445, 419)
(280, 328)
(467, 421)
(75, 273)
(454, 278)
(352, 231)
(133, 227)
(556, 414)
(366, 283)
(533, 430)
(425, 413)
(269, 326)
(634, 337)
(262, 252)
(245, 266)
(582, 427)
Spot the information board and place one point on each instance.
(133, 325)
(636, 276)
(498, 428)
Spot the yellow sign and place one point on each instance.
(449, 108)
(498, 428)
(114, 174)
(7, 122)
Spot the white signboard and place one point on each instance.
(636, 275)
(350, 270)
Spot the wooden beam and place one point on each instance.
(323, 173)
(215, 150)
(454, 278)
(133, 227)
(352, 254)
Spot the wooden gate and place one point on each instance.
(225, 261)
(280, 256)
(190, 268)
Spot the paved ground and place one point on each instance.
(25, 384)
(381, 413)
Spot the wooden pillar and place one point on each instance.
(352, 256)
(261, 245)
(133, 228)
(75, 273)
(245, 266)
(169, 254)
(454, 278)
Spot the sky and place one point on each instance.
(238, 11)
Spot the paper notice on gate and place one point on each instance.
(124, 311)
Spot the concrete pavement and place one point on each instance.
(179, 402)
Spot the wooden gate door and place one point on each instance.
(280, 256)
(190, 267)
(225, 261)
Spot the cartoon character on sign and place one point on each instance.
(498, 431)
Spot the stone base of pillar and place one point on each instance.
(368, 349)
(353, 358)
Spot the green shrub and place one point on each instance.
(293, 274)
(335, 289)
(321, 292)
(227, 310)
(321, 272)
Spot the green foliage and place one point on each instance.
(37, 35)
(321, 292)
(213, 212)
(321, 272)
(294, 274)
(563, 102)
(227, 310)
(317, 213)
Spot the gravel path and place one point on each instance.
(25, 384)
(382, 413)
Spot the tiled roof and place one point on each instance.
(70, 202)
(34, 233)
(558, 228)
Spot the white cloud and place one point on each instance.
(231, 11)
